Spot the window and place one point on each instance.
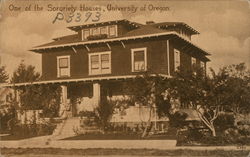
(193, 61)
(139, 59)
(85, 34)
(100, 63)
(63, 66)
(202, 64)
(96, 31)
(112, 30)
(176, 59)
(103, 30)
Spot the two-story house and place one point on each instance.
(98, 57)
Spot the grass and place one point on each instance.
(129, 152)
(120, 136)
(15, 137)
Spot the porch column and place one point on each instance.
(63, 105)
(64, 94)
(96, 94)
(17, 97)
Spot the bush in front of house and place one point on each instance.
(224, 121)
(195, 136)
(27, 130)
(7, 115)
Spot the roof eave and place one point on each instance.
(40, 49)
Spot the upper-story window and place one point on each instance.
(202, 65)
(100, 63)
(139, 59)
(193, 61)
(63, 66)
(177, 59)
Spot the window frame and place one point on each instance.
(179, 59)
(116, 33)
(97, 29)
(100, 72)
(83, 33)
(193, 61)
(106, 29)
(132, 58)
(202, 65)
(58, 66)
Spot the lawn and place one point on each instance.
(120, 136)
(15, 137)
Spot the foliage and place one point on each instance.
(34, 97)
(3, 75)
(33, 129)
(177, 119)
(224, 121)
(143, 91)
(7, 113)
(45, 97)
(88, 114)
(237, 88)
(25, 73)
(210, 95)
(104, 112)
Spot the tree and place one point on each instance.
(237, 91)
(3, 75)
(25, 74)
(192, 90)
(211, 95)
(146, 90)
(36, 97)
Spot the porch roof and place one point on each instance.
(90, 79)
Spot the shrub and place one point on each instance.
(224, 121)
(104, 113)
(178, 119)
(7, 115)
(33, 129)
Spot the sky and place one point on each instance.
(224, 26)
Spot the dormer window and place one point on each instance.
(113, 30)
(85, 34)
(96, 31)
(103, 30)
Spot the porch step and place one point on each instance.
(66, 128)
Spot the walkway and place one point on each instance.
(43, 142)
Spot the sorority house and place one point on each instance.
(98, 57)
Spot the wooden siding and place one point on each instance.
(120, 58)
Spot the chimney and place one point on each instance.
(150, 22)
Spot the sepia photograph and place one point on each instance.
(125, 78)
